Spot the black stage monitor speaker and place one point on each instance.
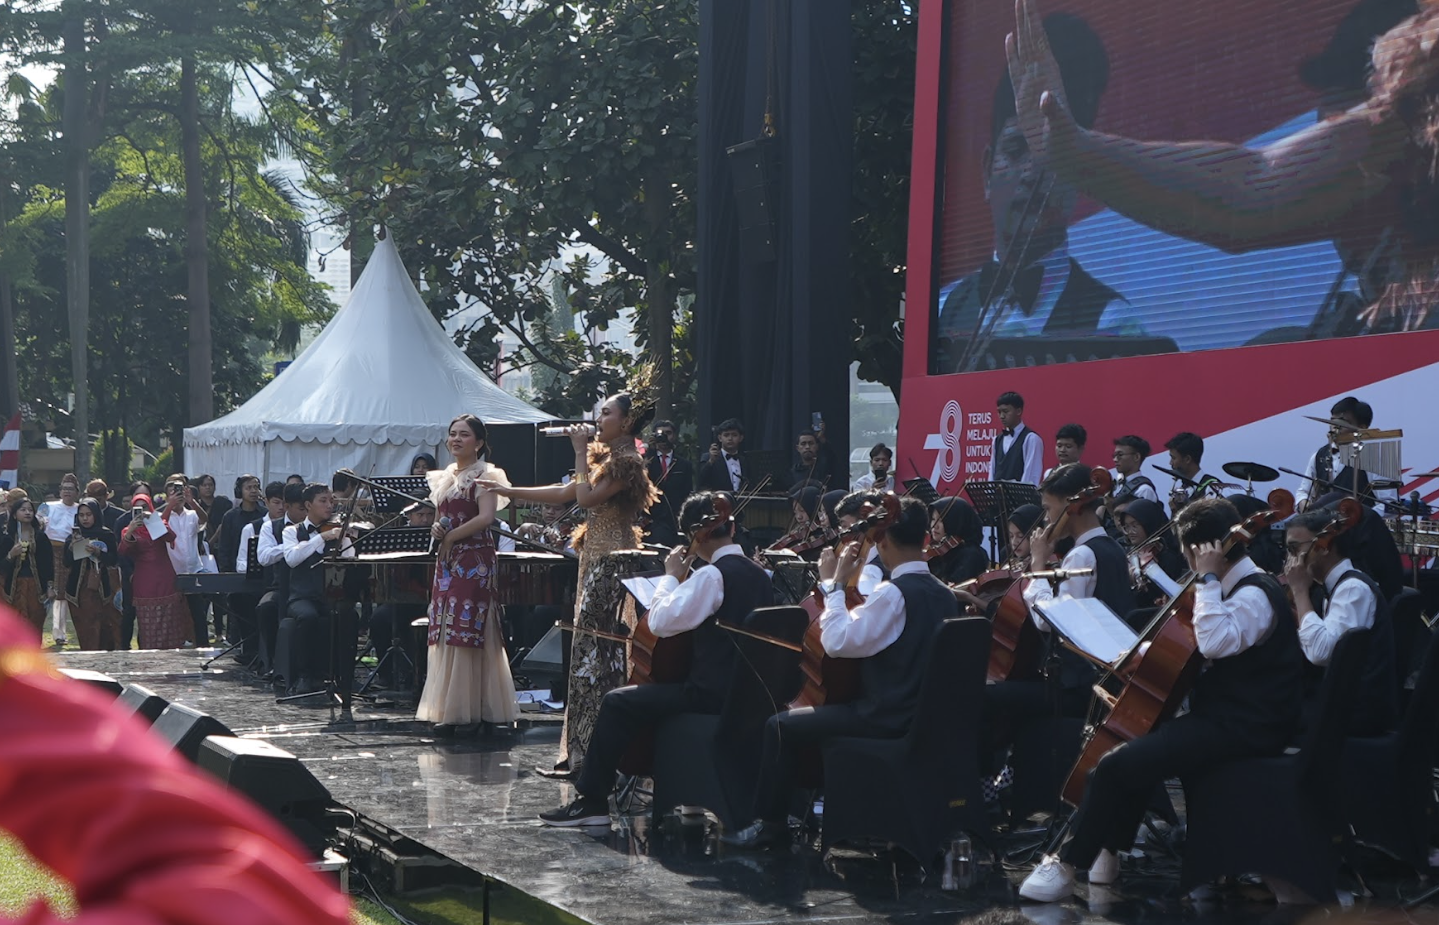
(142, 702)
(754, 167)
(272, 778)
(95, 679)
(185, 728)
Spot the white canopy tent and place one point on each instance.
(379, 384)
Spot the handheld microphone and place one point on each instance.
(564, 430)
(435, 543)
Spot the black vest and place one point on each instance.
(893, 677)
(1258, 694)
(307, 583)
(1112, 589)
(1010, 465)
(1376, 708)
(1344, 481)
(277, 575)
(1128, 489)
(746, 587)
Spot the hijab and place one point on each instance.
(959, 519)
(1149, 514)
(808, 498)
(93, 531)
(1025, 517)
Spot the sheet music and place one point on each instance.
(1161, 580)
(1089, 626)
(643, 588)
(156, 525)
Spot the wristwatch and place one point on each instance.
(828, 587)
(1207, 577)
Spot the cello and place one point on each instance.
(829, 680)
(1166, 667)
(1015, 642)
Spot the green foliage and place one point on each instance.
(156, 472)
(110, 458)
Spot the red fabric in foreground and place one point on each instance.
(142, 836)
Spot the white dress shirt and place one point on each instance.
(872, 575)
(735, 476)
(270, 550)
(680, 606)
(1040, 591)
(866, 481)
(1336, 466)
(59, 520)
(1228, 627)
(242, 556)
(871, 627)
(1033, 455)
(297, 552)
(185, 553)
(1351, 607)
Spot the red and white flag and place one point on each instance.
(10, 454)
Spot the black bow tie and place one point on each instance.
(1009, 431)
(731, 456)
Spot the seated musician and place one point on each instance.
(285, 502)
(1069, 442)
(848, 512)
(723, 591)
(891, 632)
(1350, 601)
(1064, 690)
(1141, 520)
(1021, 524)
(1186, 451)
(304, 548)
(245, 605)
(954, 517)
(1245, 704)
(1130, 451)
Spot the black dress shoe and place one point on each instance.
(443, 730)
(756, 835)
(467, 729)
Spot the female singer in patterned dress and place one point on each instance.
(612, 485)
(468, 680)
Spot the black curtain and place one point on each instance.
(773, 337)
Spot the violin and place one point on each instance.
(1347, 513)
(944, 546)
(1168, 663)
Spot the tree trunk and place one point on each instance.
(197, 256)
(659, 294)
(77, 226)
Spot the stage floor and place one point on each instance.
(474, 800)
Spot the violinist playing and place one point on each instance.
(956, 541)
(1021, 523)
(1245, 704)
(1350, 600)
(723, 591)
(1141, 521)
(811, 525)
(891, 632)
(848, 512)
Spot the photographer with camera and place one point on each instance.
(726, 469)
(674, 477)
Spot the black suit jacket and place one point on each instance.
(674, 488)
(715, 476)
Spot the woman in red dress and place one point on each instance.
(161, 615)
(468, 679)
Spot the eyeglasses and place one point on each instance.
(1298, 549)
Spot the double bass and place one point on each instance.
(1016, 644)
(1160, 669)
(829, 680)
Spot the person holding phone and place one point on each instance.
(161, 616)
(725, 468)
(881, 470)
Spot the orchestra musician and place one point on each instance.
(847, 511)
(890, 632)
(1186, 451)
(1069, 443)
(1130, 451)
(1245, 704)
(1351, 601)
(1321, 477)
(303, 549)
(723, 591)
(956, 518)
(1141, 522)
(270, 551)
(1021, 523)
(1018, 454)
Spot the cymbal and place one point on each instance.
(1423, 475)
(1333, 422)
(1251, 471)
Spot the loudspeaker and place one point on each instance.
(185, 728)
(271, 777)
(95, 679)
(142, 702)
(754, 168)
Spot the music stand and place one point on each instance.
(995, 501)
(388, 502)
(393, 541)
(921, 489)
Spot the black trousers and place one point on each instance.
(787, 735)
(267, 620)
(198, 604)
(1010, 706)
(311, 642)
(242, 624)
(625, 713)
(1121, 787)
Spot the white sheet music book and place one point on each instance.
(1089, 626)
(1161, 580)
(643, 588)
(155, 523)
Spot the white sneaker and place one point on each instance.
(1105, 869)
(1050, 882)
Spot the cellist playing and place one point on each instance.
(891, 632)
(724, 591)
(1246, 703)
